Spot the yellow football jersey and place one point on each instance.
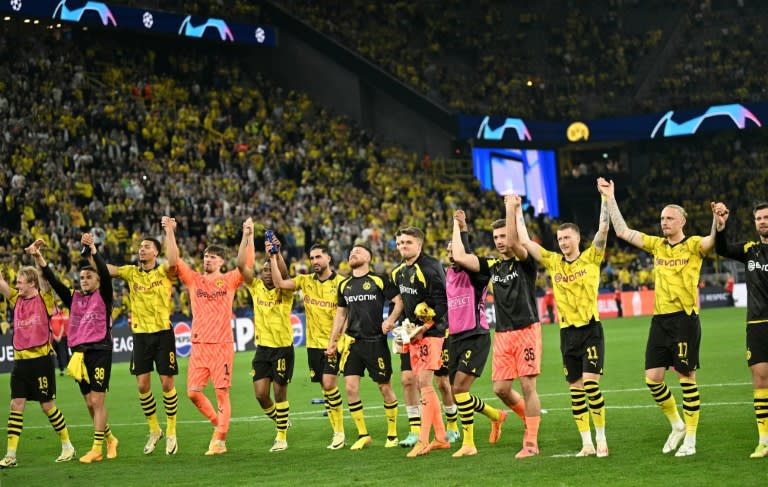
(575, 285)
(675, 273)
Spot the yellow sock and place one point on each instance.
(15, 425)
(171, 403)
(761, 414)
(271, 412)
(480, 406)
(356, 411)
(98, 440)
(691, 405)
(466, 408)
(149, 406)
(282, 409)
(58, 423)
(414, 418)
(666, 401)
(390, 411)
(579, 409)
(596, 402)
(451, 417)
(335, 412)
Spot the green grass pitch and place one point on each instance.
(636, 430)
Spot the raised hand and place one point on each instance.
(34, 247)
(605, 187)
(513, 201)
(461, 218)
(248, 227)
(720, 212)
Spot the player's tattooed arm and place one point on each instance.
(606, 189)
(601, 238)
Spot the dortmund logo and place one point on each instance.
(413, 278)
(366, 286)
(219, 283)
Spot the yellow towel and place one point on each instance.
(343, 345)
(424, 312)
(76, 368)
(4, 327)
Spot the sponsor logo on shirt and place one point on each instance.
(570, 277)
(139, 288)
(360, 297)
(671, 262)
(754, 265)
(205, 294)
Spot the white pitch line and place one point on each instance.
(317, 414)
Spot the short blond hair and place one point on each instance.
(680, 209)
(30, 274)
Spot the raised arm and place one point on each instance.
(171, 248)
(97, 261)
(724, 248)
(534, 249)
(708, 242)
(467, 261)
(34, 251)
(105, 285)
(281, 265)
(514, 210)
(277, 277)
(601, 237)
(619, 225)
(245, 253)
(64, 293)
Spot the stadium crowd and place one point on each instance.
(104, 136)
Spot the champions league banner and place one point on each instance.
(122, 338)
(518, 132)
(110, 15)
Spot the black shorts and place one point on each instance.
(98, 363)
(154, 348)
(469, 355)
(583, 350)
(273, 363)
(320, 364)
(757, 343)
(405, 362)
(371, 356)
(34, 379)
(445, 357)
(674, 340)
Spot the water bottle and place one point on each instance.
(268, 237)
